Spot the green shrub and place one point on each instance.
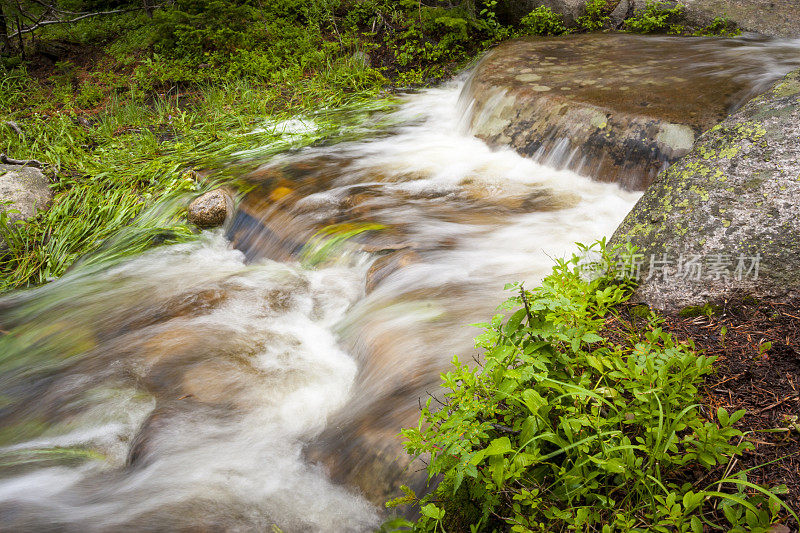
(719, 26)
(657, 17)
(569, 425)
(89, 95)
(191, 28)
(596, 16)
(543, 21)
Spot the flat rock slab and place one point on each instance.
(616, 107)
(27, 190)
(725, 220)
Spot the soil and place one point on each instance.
(757, 345)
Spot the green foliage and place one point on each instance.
(99, 30)
(569, 426)
(191, 28)
(720, 26)
(543, 21)
(431, 37)
(657, 17)
(596, 16)
(16, 88)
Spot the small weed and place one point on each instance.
(707, 309)
(720, 26)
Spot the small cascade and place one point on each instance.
(617, 108)
(260, 375)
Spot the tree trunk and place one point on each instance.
(5, 42)
(19, 36)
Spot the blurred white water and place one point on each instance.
(191, 379)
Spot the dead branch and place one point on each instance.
(25, 162)
(70, 21)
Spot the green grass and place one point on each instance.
(132, 159)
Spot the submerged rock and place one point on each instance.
(211, 209)
(386, 265)
(27, 190)
(726, 218)
(619, 108)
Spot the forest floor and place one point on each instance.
(757, 345)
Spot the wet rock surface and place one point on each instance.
(617, 107)
(290, 205)
(732, 204)
(210, 209)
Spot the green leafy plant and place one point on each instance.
(543, 21)
(657, 17)
(572, 424)
(595, 17)
(721, 26)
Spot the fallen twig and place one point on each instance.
(25, 162)
(14, 126)
(729, 379)
(776, 404)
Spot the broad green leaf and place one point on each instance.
(722, 416)
(533, 400)
(431, 511)
(498, 446)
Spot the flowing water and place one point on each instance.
(260, 375)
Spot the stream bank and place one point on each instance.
(238, 357)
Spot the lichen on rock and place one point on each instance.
(734, 202)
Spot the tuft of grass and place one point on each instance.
(707, 309)
(720, 26)
(128, 159)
